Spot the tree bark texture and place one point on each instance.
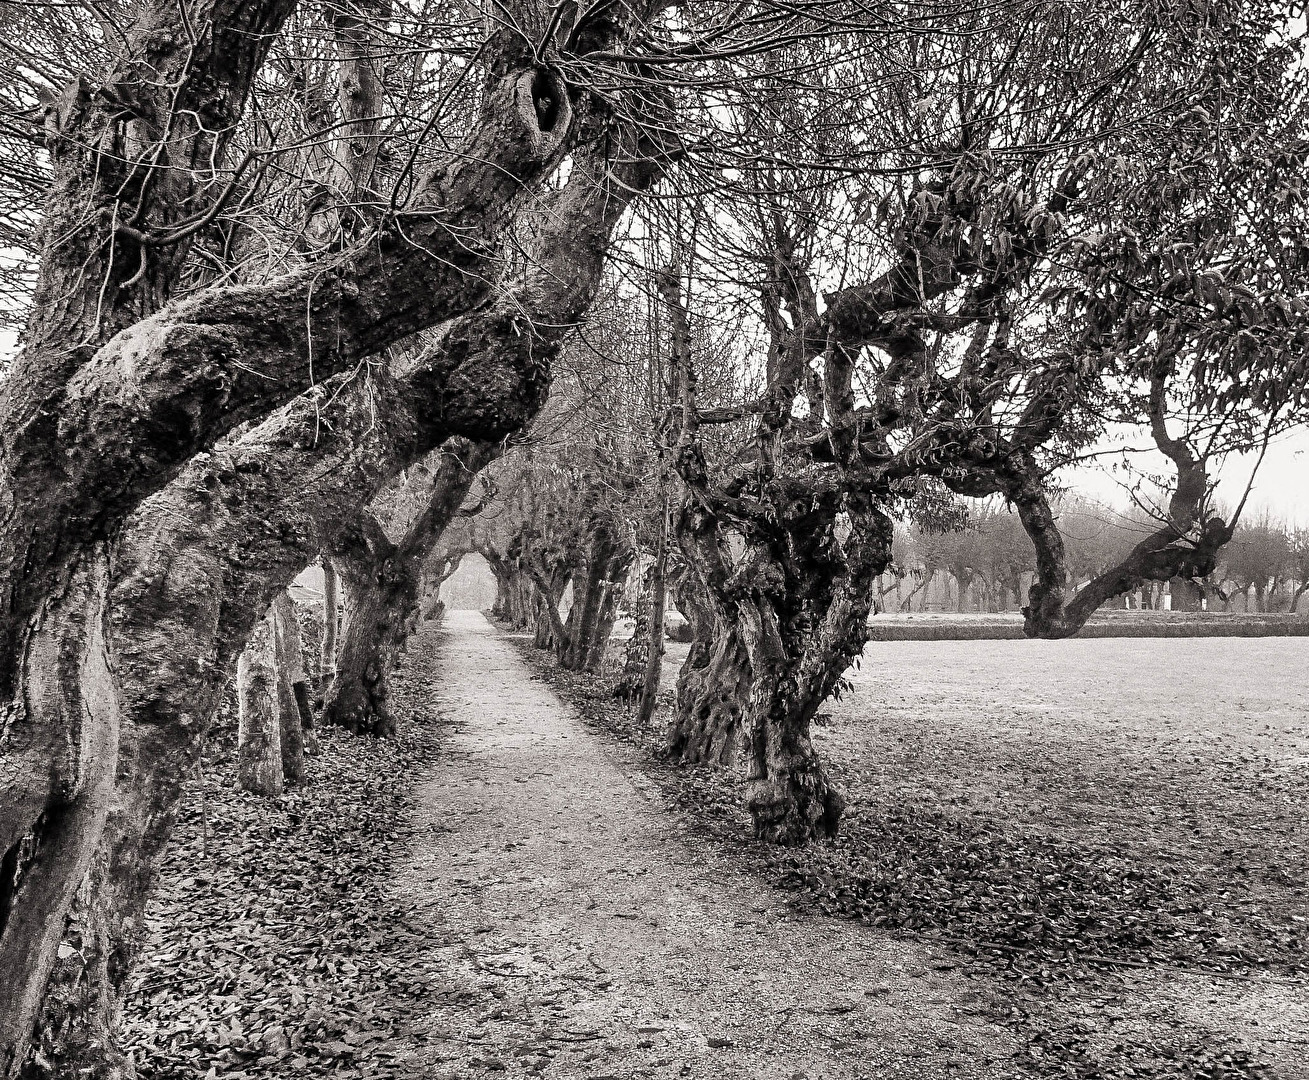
(383, 590)
(259, 728)
(294, 719)
(654, 664)
(331, 622)
(69, 672)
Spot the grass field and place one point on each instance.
(1108, 819)
(1140, 800)
(1142, 741)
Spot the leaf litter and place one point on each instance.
(281, 952)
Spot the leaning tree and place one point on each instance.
(1085, 222)
(381, 559)
(218, 373)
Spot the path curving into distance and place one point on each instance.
(578, 928)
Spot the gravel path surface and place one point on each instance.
(579, 929)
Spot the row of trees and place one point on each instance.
(1267, 559)
(1005, 312)
(270, 257)
(293, 278)
(374, 596)
(992, 561)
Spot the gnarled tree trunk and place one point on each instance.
(384, 583)
(801, 620)
(381, 588)
(789, 609)
(713, 685)
(331, 618)
(201, 559)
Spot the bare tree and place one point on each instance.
(384, 587)
(1024, 306)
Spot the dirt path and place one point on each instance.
(579, 930)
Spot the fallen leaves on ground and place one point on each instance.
(1041, 903)
(273, 947)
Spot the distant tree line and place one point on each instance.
(987, 564)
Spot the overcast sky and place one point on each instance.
(1281, 486)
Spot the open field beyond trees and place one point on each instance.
(1113, 830)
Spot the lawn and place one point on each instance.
(1103, 820)
(1190, 746)
(1132, 800)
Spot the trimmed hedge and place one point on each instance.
(1133, 624)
